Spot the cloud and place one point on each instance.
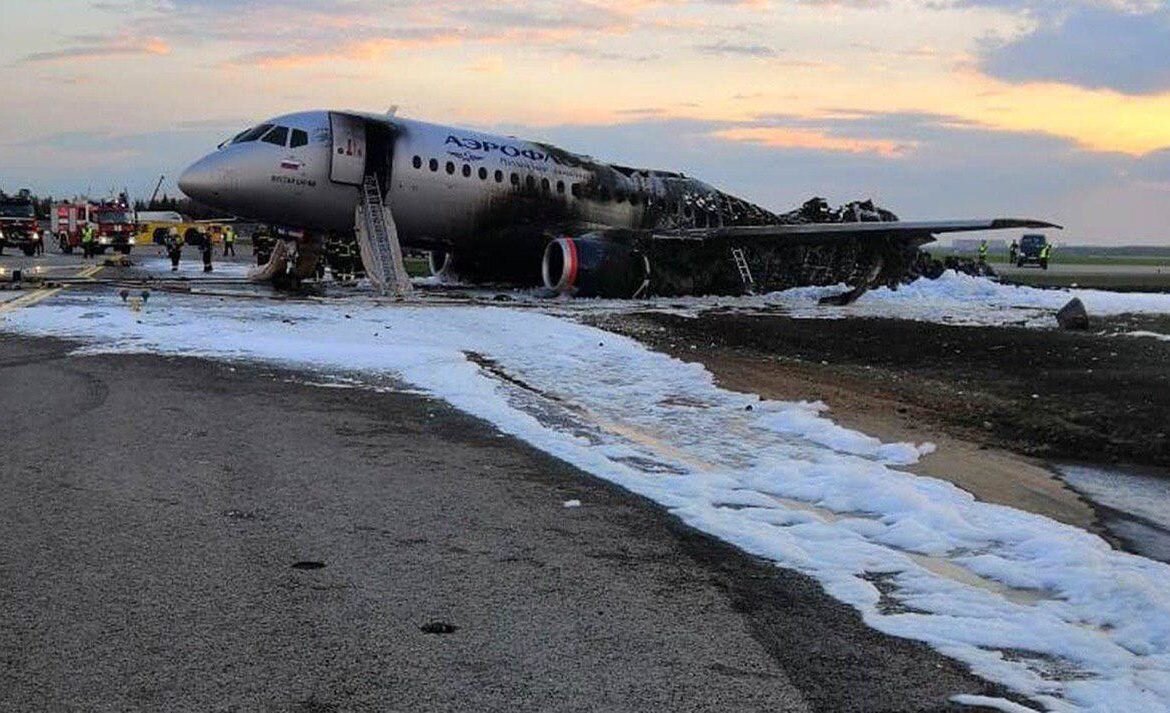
(297, 33)
(786, 138)
(1120, 45)
(102, 47)
(1154, 167)
(730, 48)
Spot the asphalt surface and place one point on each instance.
(177, 534)
(1104, 276)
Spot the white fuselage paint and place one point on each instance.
(436, 190)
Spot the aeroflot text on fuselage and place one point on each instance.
(506, 149)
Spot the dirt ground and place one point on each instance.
(998, 401)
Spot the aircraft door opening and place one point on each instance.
(349, 149)
(380, 153)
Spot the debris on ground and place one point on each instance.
(1073, 315)
(438, 627)
(118, 261)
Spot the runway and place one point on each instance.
(157, 508)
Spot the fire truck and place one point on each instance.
(18, 223)
(113, 222)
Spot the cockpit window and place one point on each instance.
(252, 134)
(299, 138)
(278, 136)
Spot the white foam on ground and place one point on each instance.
(963, 299)
(998, 704)
(954, 298)
(778, 480)
(1148, 335)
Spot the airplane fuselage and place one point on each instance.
(448, 188)
(501, 209)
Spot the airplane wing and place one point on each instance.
(911, 232)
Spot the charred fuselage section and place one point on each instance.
(595, 229)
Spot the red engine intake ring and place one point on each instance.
(560, 265)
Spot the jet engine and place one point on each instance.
(595, 265)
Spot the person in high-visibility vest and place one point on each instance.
(174, 245)
(983, 252)
(229, 241)
(1045, 253)
(87, 239)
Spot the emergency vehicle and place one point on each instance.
(1034, 250)
(113, 223)
(18, 223)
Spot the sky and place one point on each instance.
(1056, 109)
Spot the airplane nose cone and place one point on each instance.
(200, 181)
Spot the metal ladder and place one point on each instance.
(745, 273)
(377, 237)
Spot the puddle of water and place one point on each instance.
(1133, 506)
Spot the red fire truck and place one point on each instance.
(113, 222)
(18, 223)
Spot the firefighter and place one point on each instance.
(87, 239)
(174, 245)
(983, 252)
(344, 261)
(229, 241)
(205, 248)
(1013, 252)
(331, 247)
(262, 245)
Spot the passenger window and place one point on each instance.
(515, 179)
(434, 165)
(560, 186)
(544, 185)
(299, 138)
(417, 162)
(278, 136)
(576, 190)
(450, 168)
(499, 176)
(466, 171)
(530, 183)
(482, 173)
(252, 134)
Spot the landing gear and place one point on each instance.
(440, 262)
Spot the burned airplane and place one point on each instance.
(500, 209)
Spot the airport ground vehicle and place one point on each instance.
(154, 232)
(18, 223)
(1034, 250)
(112, 220)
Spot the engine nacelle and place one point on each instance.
(594, 265)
